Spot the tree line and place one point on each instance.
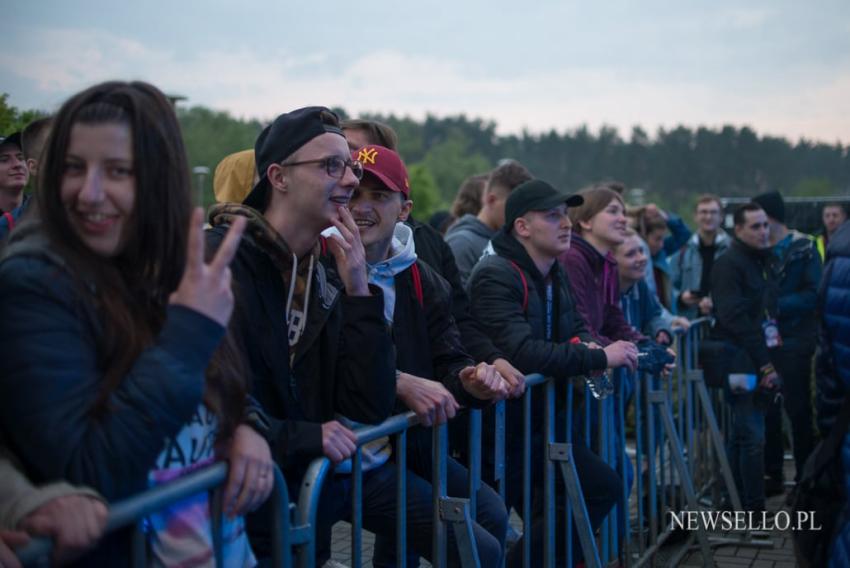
(673, 166)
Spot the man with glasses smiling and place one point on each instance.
(690, 267)
(312, 337)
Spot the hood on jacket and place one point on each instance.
(506, 245)
(382, 274)
(473, 224)
(297, 273)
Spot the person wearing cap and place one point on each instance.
(798, 266)
(431, 248)
(235, 176)
(311, 336)
(435, 376)
(523, 300)
(14, 176)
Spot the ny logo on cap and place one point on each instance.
(367, 156)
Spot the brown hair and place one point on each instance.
(507, 176)
(468, 198)
(708, 198)
(596, 199)
(377, 132)
(132, 289)
(34, 136)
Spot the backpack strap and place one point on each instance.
(524, 285)
(10, 220)
(417, 283)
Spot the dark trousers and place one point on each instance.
(601, 488)
(746, 448)
(795, 368)
(379, 515)
(491, 516)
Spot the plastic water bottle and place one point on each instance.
(598, 382)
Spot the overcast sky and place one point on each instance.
(781, 67)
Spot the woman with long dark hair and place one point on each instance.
(110, 320)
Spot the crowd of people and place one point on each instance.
(143, 339)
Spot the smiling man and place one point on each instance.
(14, 175)
(435, 375)
(311, 337)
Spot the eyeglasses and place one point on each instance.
(334, 165)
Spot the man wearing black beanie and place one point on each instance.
(798, 266)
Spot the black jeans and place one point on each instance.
(379, 515)
(795, 368)
(601, 489)
(491, 516)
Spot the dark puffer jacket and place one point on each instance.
(834, 363)
(799, 272)
(52, 376)
(499, 286)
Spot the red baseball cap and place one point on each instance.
(385, 165)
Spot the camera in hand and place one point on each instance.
(652, 357)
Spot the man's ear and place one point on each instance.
(521, 227)
(276, 174)
(32, 166)
(406, 208)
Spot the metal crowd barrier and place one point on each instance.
(134, 509)
(680, 463)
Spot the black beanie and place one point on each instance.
(773, 205)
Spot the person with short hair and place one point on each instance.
(14, 176)
(470, 234)
(435, 376)
(798, 268)
(361, 132)
(469, 194)
(524, 301)
(33, 140)
(312, 331)
(690, 266)
(832, 216)
(744, 290)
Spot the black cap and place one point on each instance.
(13, 138)
(773, 205)
(281, 139)
(536, 195)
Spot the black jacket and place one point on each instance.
(344, 363)
(497, 302)
(431, 248)
(799, 270)
(744, 290)
(426, 338)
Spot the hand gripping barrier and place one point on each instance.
(136, 508)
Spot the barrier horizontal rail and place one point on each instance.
(133, 509)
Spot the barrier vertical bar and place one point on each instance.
(474, 450)
(357, 507)
(548, 477)
(526, 478)
(438, 484)
(568, 510)
(401, 498)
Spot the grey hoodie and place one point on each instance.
(382, 274)
(467, 239)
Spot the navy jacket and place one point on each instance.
(52, 376)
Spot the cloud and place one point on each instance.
(250, 83)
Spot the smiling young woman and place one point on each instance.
(111, 320)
